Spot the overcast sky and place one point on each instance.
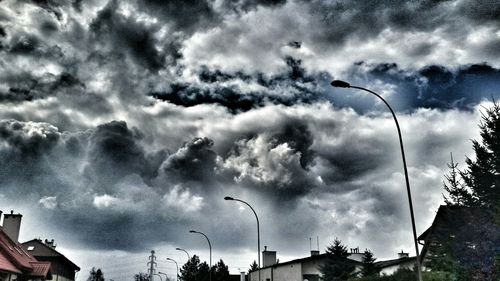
(123, 124)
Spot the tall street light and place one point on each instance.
(258, 227)
(166, 277)
(176, 265)
(343, 84)
(210, 248)
(158, 276)
(180, 249)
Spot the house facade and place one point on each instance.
(15, 262)
(62, 268)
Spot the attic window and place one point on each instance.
(31, 248)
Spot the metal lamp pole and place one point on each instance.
(166, 277)
(258, 227)
(210, 248)
(342, 84)
(180, 249)
(159, 276)
(176, 265)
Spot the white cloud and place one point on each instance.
(49, 202)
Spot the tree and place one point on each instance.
(253, 266)
(141, 277)
(189, 270)
(458, 193)
(473, 252)
(96, 275)
(203, 272)
(369, 268)
(220, 271)
(337, 265)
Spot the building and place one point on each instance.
(464, 233)
(62, 268)
(307, 268)
(15, 262)
(389, 267)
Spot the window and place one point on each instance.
(31, 248)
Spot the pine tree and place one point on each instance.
(369, 268)
(482, 175)
(220, 271)
(458, 193)
(337, 266)
(253, 266)
(189, 270)
(96, 275)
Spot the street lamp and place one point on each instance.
(166, 277)
(158, 276)
(258, 227)
(210, 248)
(176, 265)
(343, 84)
(180, 249)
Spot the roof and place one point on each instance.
(6, 265)
(41, 269)
(448, 222)
(14, 253)
(43, 250)
(306, 259)
(387, 263)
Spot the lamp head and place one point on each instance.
(192, 231)
(178, 249)
(228, 198)
(340, 84)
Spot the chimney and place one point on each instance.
(314, 253)
(50, 243)
(403, 255)
(242, 276)
(12, 225)
(268, 257)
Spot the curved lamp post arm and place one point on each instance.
(258, 226)
(180, 249)
(342, 84)
(177, 266)
(166, 277)
(159, 276)
(210, 248)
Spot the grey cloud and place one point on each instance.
(28, 139)
(185, 16)
(137, 39)
(194, 161)
(293, 85)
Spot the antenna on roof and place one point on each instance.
(317, 241)
(310, 245)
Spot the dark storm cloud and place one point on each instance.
(115, 151)
(130, 35)
(294, 85)
(33, 88)
(194, 161)
(433, 86)
(28, 139)
(186, 16)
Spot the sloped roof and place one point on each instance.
(306, 259)
(6, 265)
(15, 253)
(387, 263)
(43, 250)
(41, 269)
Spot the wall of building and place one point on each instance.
(288, 272)
(265, 274)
